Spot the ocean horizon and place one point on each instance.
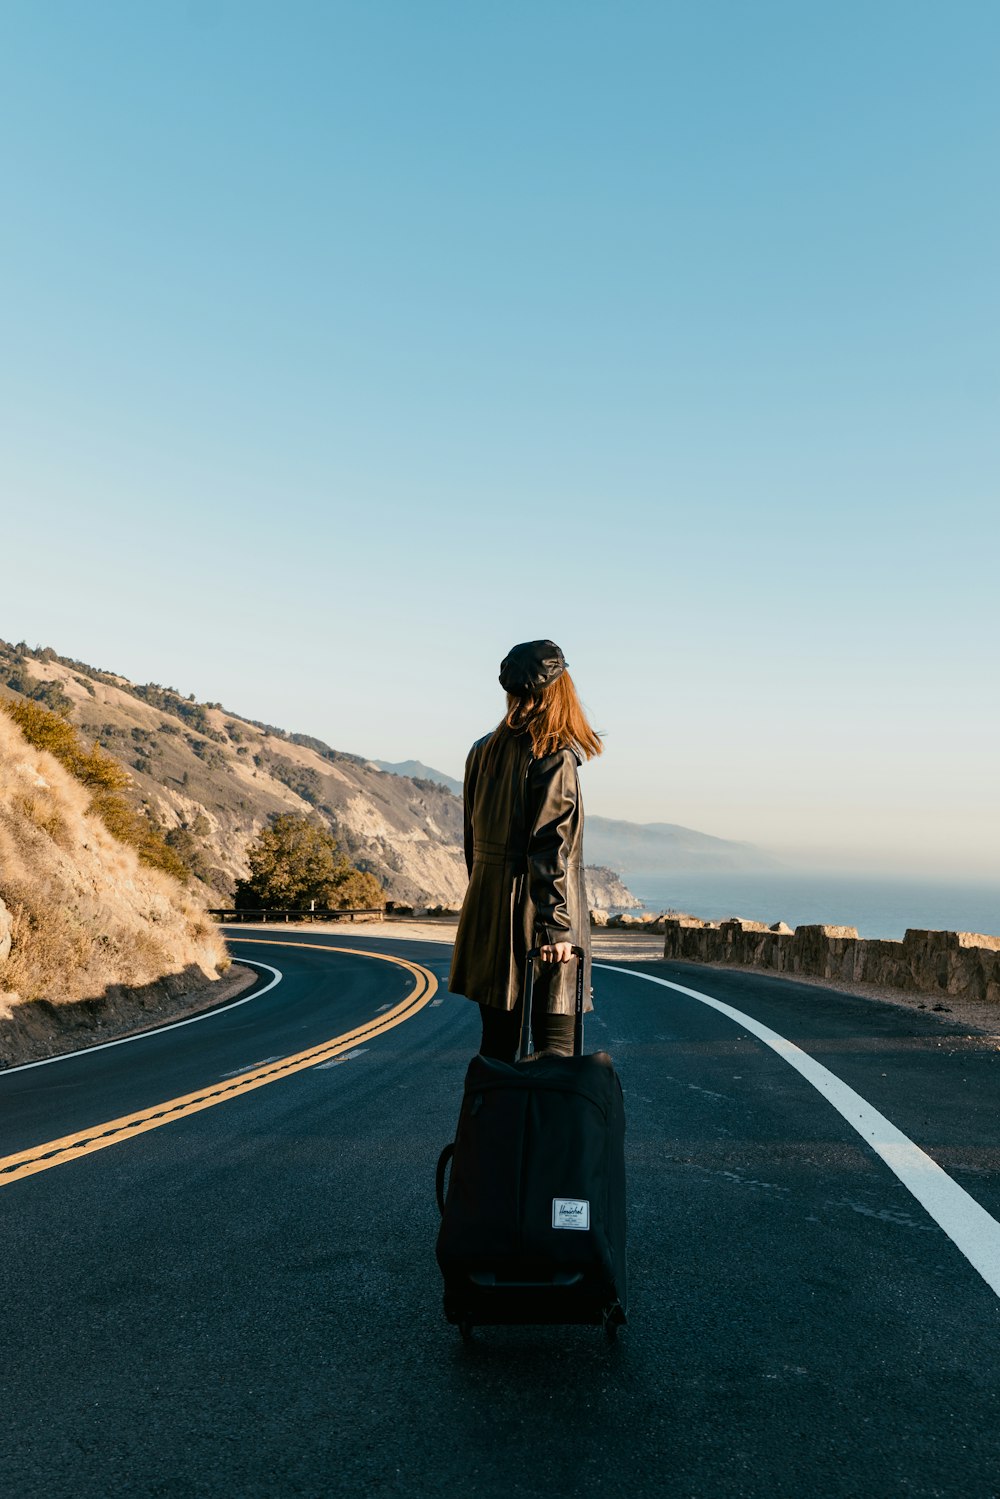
(878, 906)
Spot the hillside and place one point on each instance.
(81, 918)
(212, 780)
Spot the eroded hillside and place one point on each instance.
(212, 780)
(81, 918)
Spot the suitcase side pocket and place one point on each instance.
(442, 1167)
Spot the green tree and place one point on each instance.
(296, 861)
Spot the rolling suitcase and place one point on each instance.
(533, 1218)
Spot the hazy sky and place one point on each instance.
(345, 345)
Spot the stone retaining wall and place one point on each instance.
(963, 964)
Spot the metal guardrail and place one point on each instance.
(272, 913)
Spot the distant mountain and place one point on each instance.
(631, 848)
(418, 771)
(638, 849)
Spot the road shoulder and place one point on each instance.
(41, 1029)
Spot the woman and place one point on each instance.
(524, 852)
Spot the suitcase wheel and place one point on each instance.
(465, 1328)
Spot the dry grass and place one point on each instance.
(86, 914)
(45, 815)
(107, 781)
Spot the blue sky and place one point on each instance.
(344, 345)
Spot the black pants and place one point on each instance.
(502, 1031)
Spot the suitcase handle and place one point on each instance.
(530, 956)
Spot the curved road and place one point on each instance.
(236, 1295)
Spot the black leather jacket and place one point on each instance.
(524, 852)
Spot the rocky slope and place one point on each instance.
(86, 930)
(606, 891)
(213, 779)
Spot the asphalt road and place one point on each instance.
(244, 1301)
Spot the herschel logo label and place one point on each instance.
(570, 1212)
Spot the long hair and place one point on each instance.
(554, 718)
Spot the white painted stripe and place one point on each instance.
(251, 1066)
(85, 1051)
(348, 1056)
(968, 1225)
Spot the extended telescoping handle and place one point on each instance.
(532, 954)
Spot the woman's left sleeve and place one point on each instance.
(468, 792)
(554, 804)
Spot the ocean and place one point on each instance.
(878, 907)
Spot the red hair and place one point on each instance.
(555, 719)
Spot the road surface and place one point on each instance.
(218, 1275)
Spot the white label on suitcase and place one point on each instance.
(570, 1212)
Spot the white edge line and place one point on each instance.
(86, 1051)
(967, 1224)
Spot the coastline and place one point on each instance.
(879, 906)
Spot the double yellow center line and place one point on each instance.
(99, 1136)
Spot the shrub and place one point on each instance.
(301, 779)
(296, 861)
(19, 679)
(185, 845)
(169, 700)
(45, 730)
(52, 696)
(208, 753)
(358, 891)
(101, 771)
